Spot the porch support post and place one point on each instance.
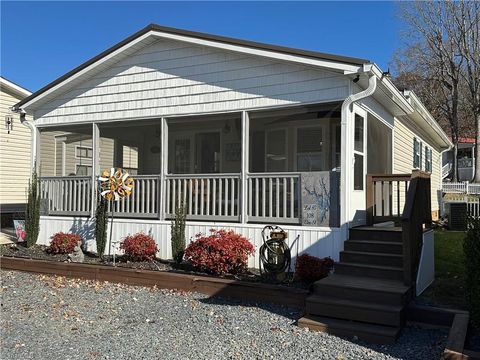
(95, 165)
(163, 168)
(244, 170)
(346, 160)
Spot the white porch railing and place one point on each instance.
(66, 195)
(206, 197)
(274, 197)
(461, 187)
(144, 200)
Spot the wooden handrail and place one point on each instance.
(416, 216)
(387, 214)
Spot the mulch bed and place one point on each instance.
(39, 252)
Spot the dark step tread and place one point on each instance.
(379, 228)
(376, 242)
(368, 253)
(367, 266)
(321, 299)
(364, 283)
(369, 332)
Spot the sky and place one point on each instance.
(40, 41)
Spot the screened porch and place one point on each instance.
(235, 167)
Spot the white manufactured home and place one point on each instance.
(245, 134)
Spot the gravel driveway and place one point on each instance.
(56, 318)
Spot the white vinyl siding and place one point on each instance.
(404, 162)
(15, 153)
(172, 78)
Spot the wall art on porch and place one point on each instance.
(319, 198)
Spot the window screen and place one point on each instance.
(358, 133)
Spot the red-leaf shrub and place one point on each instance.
(139, 247)
(63, 243)
(310, 268)
(221, 252)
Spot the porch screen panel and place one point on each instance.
(310, 155)
(276, 150)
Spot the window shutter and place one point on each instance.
(415, 153)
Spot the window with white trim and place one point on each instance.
(84, 170)
(83, 152)
(428, 159)
(417, 153)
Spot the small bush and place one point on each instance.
(63, 243)
(32, 210)
(310, 268)
(471, 249)
(178, 233)
(221, 252)
(101, 224)
(139, 247)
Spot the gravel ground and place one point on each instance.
(57, 318)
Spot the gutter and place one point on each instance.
(347, 159)
(33, 131)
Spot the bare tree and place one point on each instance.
(431, 51)
(467, 40)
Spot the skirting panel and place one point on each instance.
(314, 241)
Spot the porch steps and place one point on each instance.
(373, 246)
(365, 297)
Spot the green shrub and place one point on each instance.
(178, 233)
(32, 210)
(471, 249)
(101, 224)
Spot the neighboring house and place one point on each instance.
(245, 134)
(15, 150)
(466, 160)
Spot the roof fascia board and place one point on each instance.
(425, 114)
(85, 70)
(398, 97)
(14, 87)
(338, 66)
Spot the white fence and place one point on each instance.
(473, 207)
(461, 187)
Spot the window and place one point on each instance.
(428, 159)
(84, 170)
(358, 173)
(417, 153)
(182, 156)
(358, 133)
(310, 149)
(83, 152)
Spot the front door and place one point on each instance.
(358, 206)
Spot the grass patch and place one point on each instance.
(448, 287)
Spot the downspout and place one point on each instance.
(347, 159)
(33, 131)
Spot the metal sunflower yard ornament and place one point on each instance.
(115, 185)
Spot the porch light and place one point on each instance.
(8, 123)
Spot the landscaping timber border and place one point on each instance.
(212, 286)
(455, 320)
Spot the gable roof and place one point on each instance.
(197, 35)
(21, 92)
